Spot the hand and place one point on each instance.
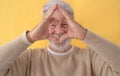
(41, 30)
(75, 30)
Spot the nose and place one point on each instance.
(59, 30)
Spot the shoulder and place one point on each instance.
(85, 52)
(37, 51)
(79, 50)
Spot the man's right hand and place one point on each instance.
(40, 32)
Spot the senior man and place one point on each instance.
(59, 58)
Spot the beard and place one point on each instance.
(61, 46)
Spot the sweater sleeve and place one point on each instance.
(109, 51)
(10, 51)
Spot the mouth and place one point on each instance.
(56, 39)
(56, 36)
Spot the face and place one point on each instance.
(57, 28)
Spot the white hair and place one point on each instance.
(63, 4)
(61, 47)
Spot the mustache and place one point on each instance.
(57, 35)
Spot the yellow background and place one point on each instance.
(100, 16)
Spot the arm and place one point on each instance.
(108, 50)
(11, 50)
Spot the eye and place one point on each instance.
(52, 26)
(64, 25)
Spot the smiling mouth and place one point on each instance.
(56, 36)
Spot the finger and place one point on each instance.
(46, 35)
(50, 11)
(64, 12)
(69, 19)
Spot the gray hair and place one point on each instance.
(64, 5)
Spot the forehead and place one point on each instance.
(58, 15)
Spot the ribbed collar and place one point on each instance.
(59, 54)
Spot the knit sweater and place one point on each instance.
(101, 58)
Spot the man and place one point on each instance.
(101, 58)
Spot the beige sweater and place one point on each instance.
(102, 58)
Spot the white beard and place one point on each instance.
(60, 47)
